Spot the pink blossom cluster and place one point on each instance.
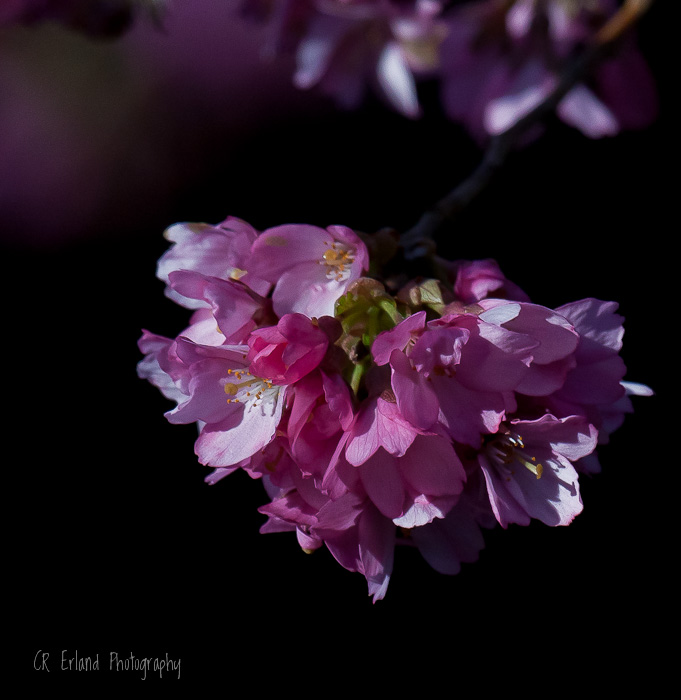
(379, 417)
(494, 60)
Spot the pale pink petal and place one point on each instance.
(376, 551)
(529, 88)
(600, 328)
(307, 292)
(397, 81)
(282, 247)
(423, 510)
(225, 444)
(583, 110)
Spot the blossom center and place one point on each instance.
(338, 259)
(249, 390)
(508, 448)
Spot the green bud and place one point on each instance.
(364, 311)
(427, 293)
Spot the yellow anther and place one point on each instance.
(332, 255)
(532, 465)
(237, 274)
(337, 257)
(509, 448)
(247, 389)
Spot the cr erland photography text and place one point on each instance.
(66, 660)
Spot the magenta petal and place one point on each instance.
(431, 466)
(595, 382)
(377, 551)
(232, 355)
(495, 360)
(339, 514)
(337, 395)
(546, 379)
(290, 508)
(362, 441)
(439, 347)
(397, 338)
(232, 304)
(382, 480)
(395, 433)
(478, 279)
(286, 353)
(446, 544)
(379, 424)
(415, 396)
(305, 395)
(467, 414)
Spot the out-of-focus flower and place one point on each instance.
(379, 420)
(94, 17)
(347, 47)
(383, 45)
(495, 60)
(501, 59)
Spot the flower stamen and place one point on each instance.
(248, 389)
(508, 448)
(338, 259)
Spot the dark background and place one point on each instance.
(115, 542)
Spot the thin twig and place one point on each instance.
(418, 241)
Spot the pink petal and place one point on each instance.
(415, 396)
(431, 466)
(225, 444)
(397, 338)
(397, 82)
(583, 110)
(382, 479)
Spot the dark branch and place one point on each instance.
(418, 241)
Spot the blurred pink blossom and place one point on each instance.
(500, 60)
